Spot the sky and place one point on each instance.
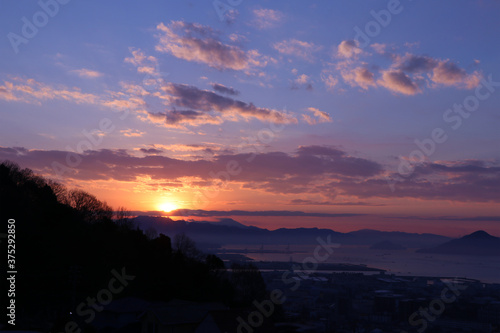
(377, 114)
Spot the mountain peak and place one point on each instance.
(230, 223)
(480, 234)
(478, 243)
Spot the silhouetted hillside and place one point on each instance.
(68, 246)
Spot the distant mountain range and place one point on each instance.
(228, 231)
(479, 243)
(387, 245)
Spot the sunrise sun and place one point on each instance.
(168, 206)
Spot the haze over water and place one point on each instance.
(405, 262)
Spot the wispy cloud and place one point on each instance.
(131, 133)
(204, 147)
(31, 91)
(87, 73)
(302, 80)
(266, 18)
(317, 117)
(297, 48)
(145, 64)
(329, 79)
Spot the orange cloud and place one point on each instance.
(132, 133)
(321, 116)
(31, 91)
(145, 64)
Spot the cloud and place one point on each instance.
(341, 162)
(199, 43)
(329, 80)
(321, 116)
(303, 202)
(224, 90)
(449, 74)
(131, 98)
(274, 172)
(444, 72)
(466, 181)
(176, 118)
(359, 76)
(319, 171)
(87, 73)
(349, 49)
(440, 72)
(185, 150)
(145, 64)
(132, 133)
(225, 12)
(151, 151)
(302, 80)
(407, 74)
(297, 48)
(213, 213)
(31, 91)
(411, 63)
(398, 81)
(455, 218)
(266, 18)
(7, 92)
(200, 102)
(379, 47)
(185, 104)
(48, 136)
(237, 38)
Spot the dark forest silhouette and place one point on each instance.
(68, 242)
